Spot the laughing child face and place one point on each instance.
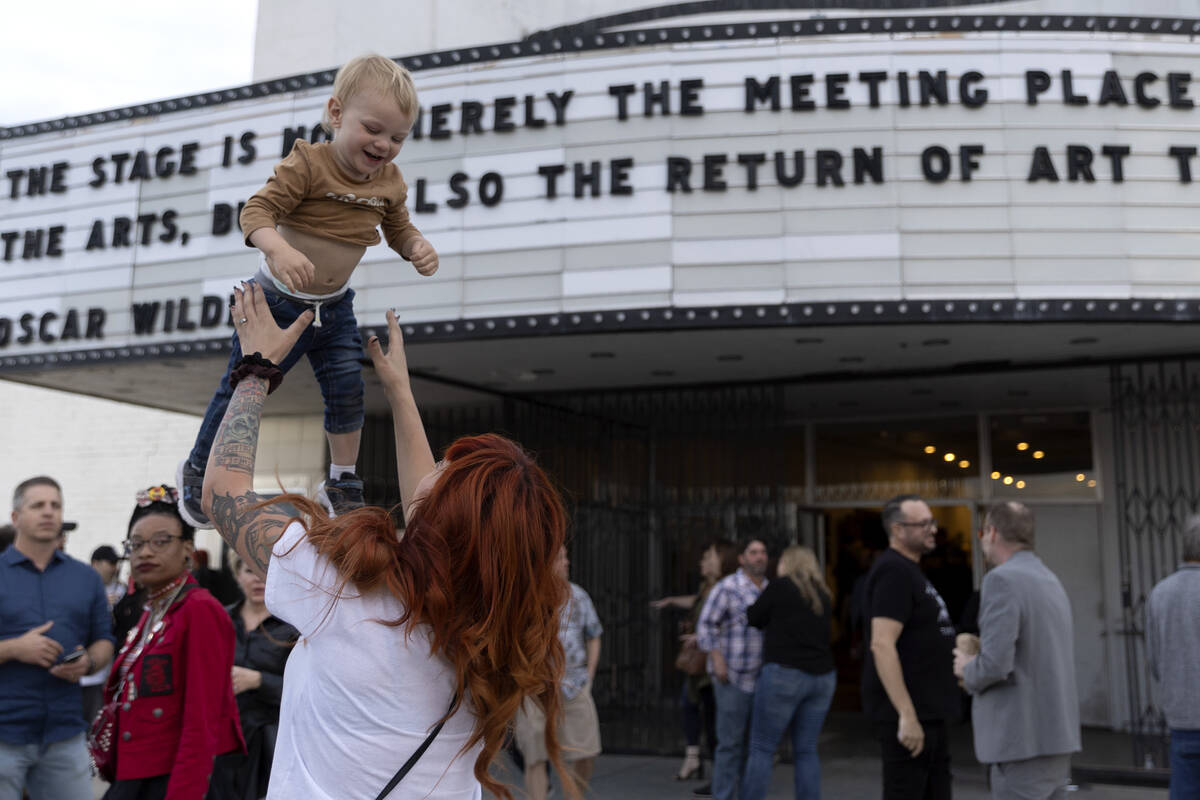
(369, 130)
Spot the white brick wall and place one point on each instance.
(103, 452)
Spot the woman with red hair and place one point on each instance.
(415, 649)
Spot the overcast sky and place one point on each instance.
(75, 56)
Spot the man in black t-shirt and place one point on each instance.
(908, 684)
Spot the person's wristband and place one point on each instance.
(255, 364)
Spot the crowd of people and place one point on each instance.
(194, 692)
(370, 656)
(772, 672)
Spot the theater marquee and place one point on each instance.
(854, 162)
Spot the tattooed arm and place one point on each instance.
(228, 496)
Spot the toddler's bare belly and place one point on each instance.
(334, 260)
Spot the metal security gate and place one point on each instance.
(1156, 417)
(649, 478)
(714, 469)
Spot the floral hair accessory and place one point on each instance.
(157, 494)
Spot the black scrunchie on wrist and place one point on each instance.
(255, 364)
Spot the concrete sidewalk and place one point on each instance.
(842, 778)
(630, 777)
(636, 777)
(652, 777)
(850, 768)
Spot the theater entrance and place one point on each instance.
(651, 477)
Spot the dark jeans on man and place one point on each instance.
(733, 725)
(925, 777)
(1185, 764)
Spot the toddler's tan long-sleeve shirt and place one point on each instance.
(311, 193)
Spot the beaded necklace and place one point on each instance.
(156, 612)
(162, 592)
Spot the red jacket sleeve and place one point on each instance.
(208, 664)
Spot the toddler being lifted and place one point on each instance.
(312, 222)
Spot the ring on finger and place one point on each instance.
(242, 321)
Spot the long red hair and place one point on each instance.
(475, 564)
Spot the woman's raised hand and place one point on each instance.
(391, 365)
(257, 330)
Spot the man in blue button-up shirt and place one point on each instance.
(51, 606)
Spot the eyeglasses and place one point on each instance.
(157, 544)
(924, 523)
(157, 494)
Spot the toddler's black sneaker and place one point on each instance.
(191, 482)
(343, 495)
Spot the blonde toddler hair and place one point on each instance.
(373, 73)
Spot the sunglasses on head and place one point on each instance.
(157, 494)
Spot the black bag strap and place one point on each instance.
(415, 757)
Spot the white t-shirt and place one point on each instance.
(358, 697)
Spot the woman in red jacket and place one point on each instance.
(176, 710)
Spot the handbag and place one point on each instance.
(691, 659)
(415, 757)
(101, 736)
(100, 741)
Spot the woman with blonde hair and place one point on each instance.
(415, 649)
(795, 688)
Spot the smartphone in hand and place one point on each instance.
(73, 656)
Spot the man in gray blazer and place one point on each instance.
(1173, 653)
(1026, 710)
